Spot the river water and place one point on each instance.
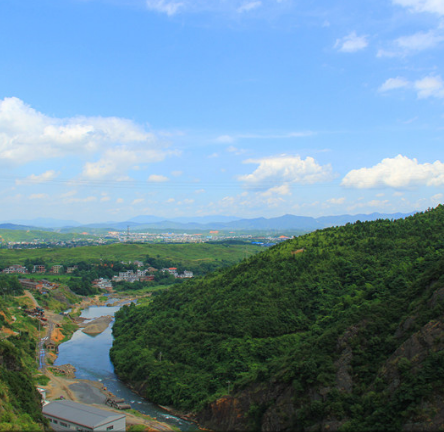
(90, 356)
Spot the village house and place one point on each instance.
(55, 269)
(71, 269)
(51, 346)
(39, 269)
(31, 284)
(16, 268)
(103, 283)
(130, 276)
(171, 270)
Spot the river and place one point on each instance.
(90, 356)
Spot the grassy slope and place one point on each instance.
(7, 235)
(184, 253)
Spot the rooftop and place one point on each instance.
(80, 414)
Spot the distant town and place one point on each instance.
(136, 237)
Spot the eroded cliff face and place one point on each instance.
(267, 407)
(276, 406)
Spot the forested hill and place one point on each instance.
(339, 329)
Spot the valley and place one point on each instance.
(337, 330)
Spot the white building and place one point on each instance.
(67, 415)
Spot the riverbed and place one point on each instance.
(89, 354)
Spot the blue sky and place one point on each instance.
(111, 109)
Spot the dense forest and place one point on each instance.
(340, 329)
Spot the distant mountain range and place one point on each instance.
(204, 223)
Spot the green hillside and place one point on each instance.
(340, 329)
(9, 235)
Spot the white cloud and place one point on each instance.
(399, 172)
(168, 7)
(177, 173)
(394, 83)
(414, 43)
(433, 6)
(351, 43)
(138, 201)
(42, 178)
(170, 200)
(431, 86)
(276, 170)
(278, 190)
(419, 41)
(155, 178)
(186, 201)
(120, 200)
(27, 135)
(122, 158)
(246, 7)
(437, 199)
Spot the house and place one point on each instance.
(103, 284)
(28, 284)
(55, 269)
(51, 346)
(16, 268)
(39, 269)
(171, 270)
(71, 269)
(67, 415)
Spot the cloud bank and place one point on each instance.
(429, 86)
(275, 171)
(432, 6)
(27, 135)
(351, 43)
(399, 172)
